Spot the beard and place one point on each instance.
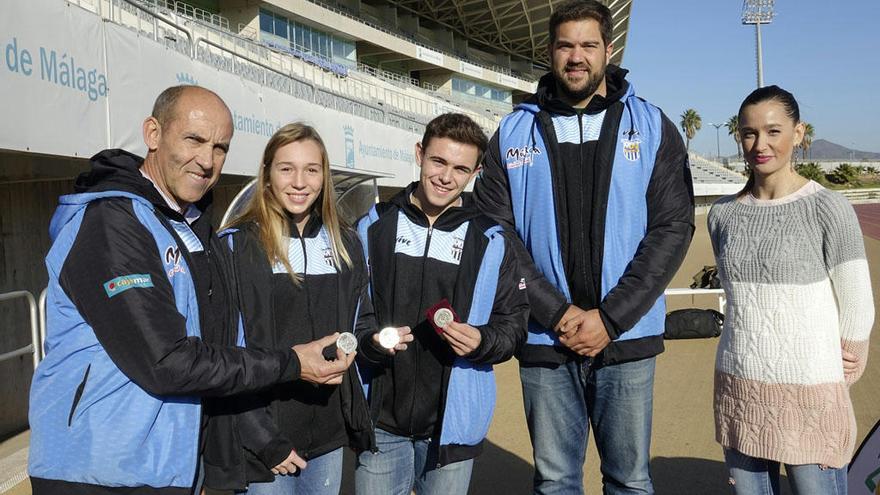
(576, 94)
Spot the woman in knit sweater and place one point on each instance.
(799, 311)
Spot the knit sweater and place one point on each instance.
(798, 290)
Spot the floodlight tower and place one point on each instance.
(758, 12)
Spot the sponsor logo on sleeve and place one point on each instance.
(125, 282)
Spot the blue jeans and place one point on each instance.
(322, 476)
(755, 476)
(402, 465)
(616, 401)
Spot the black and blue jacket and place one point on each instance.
(249, 434)
(115, 405)
(602, 202)
(427, 391)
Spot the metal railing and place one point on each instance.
(189, 11)
(722, 298)
(35, 347)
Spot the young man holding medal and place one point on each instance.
(448, 272)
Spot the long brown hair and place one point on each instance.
(266, 211)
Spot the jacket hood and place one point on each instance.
(116, 170)
(448, 220)
(547, 99)
(114, 173)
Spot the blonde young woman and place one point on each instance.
(301, 277)
(799, 312)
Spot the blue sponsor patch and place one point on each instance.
(125, 282)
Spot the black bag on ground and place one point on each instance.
(693, 324)
(707, 278)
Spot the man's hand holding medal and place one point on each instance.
(463, 338)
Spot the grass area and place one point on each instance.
(864, 181)
(844, 176)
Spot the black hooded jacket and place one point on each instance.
(408, 391)
(250, 434)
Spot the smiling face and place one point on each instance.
(296, 178)
(578, 59)
(186, 153)
(446, 168)
(769, 136)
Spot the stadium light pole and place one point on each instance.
(717, 140)
(758, 12)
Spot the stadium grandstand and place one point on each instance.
(712, 180)
(78, 76)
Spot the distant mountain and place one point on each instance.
(826, 150)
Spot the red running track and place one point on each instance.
(869, 218)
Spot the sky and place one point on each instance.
(697, 54)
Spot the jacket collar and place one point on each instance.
(547, 99)
(449, 220)
(311, 229)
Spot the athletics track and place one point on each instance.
(869, 218)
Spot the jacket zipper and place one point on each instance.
(305, 287)
(412, 405)
(583, 199)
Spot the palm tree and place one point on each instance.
(811, 171)
(809, 132)
(733, 130)
(845, 174)
(690, 124)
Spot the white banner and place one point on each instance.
(257, 112)
(470, 69)
(430, 56)
(57, 100)
(53, 77)
(510, 82)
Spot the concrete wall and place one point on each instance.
(443, 81)
(245, 14)
(26, 205)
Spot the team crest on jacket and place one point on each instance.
(521, 156)
(457, 247)
(328, 256)
(631, 145)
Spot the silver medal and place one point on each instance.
(347, 342)
(443, 317)
(388, 338)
